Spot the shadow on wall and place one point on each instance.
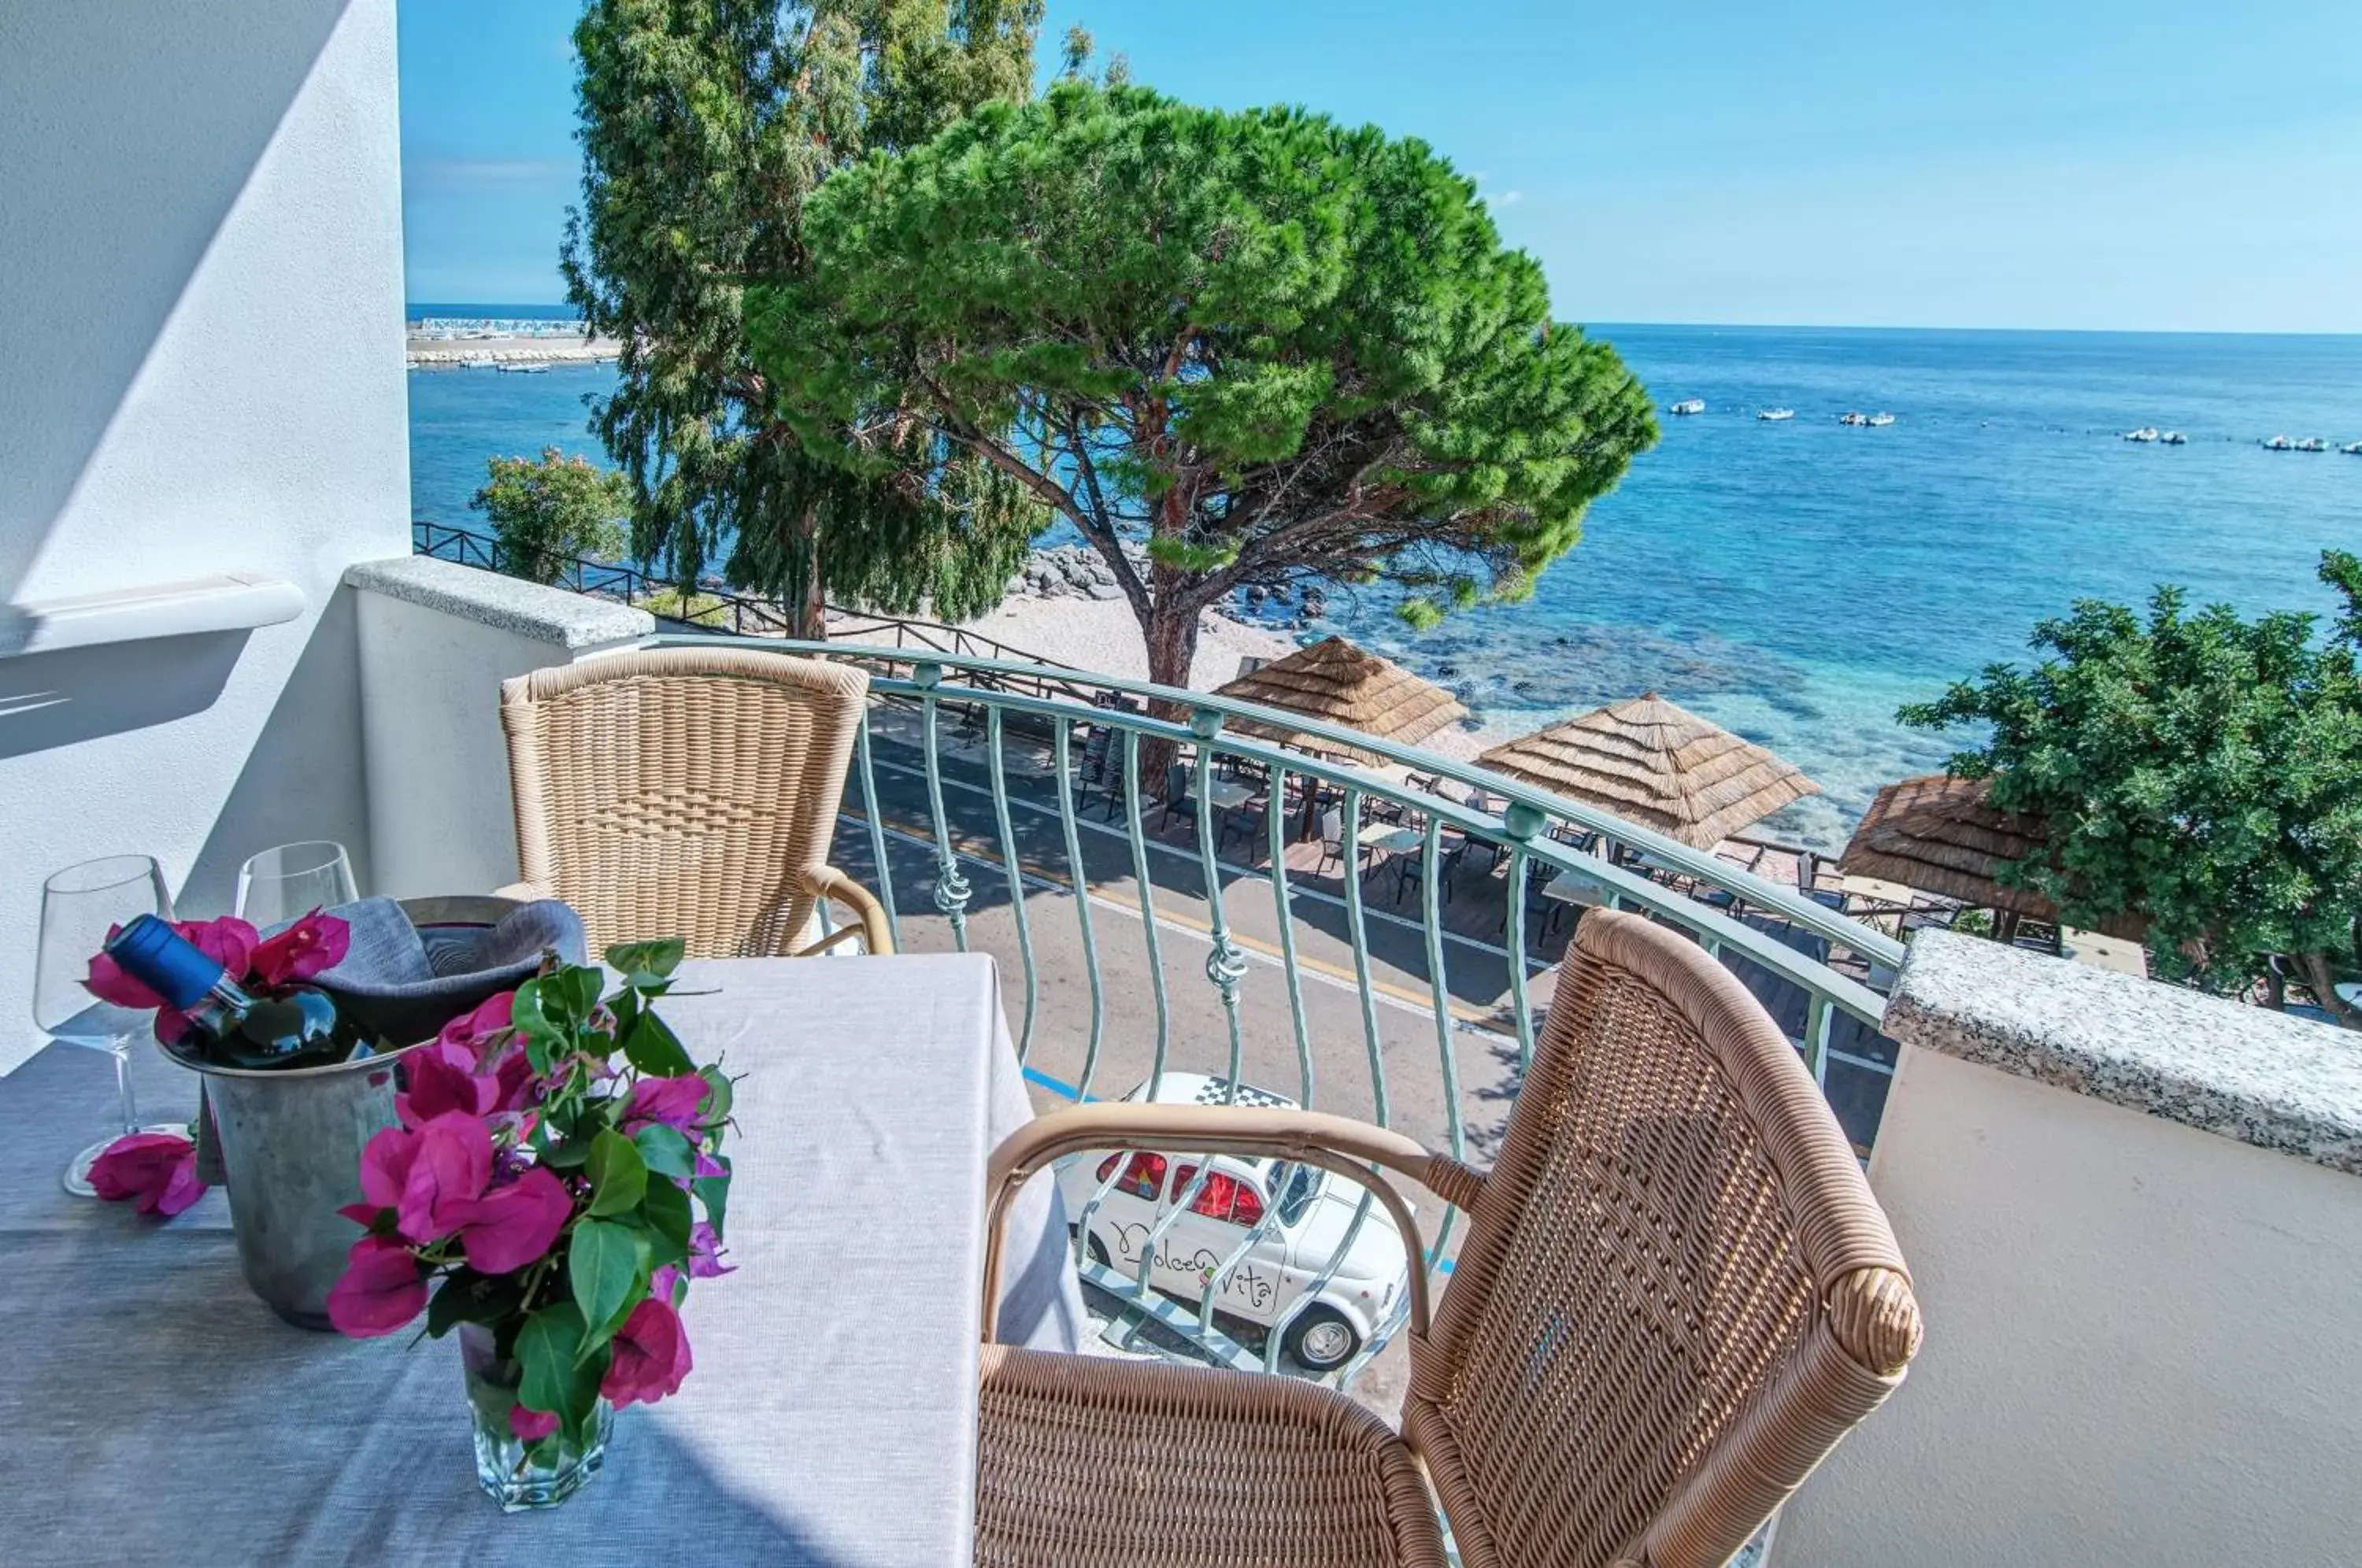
(130, 131)
(303, 778)
(60, 699)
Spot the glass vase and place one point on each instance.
(515, 1474)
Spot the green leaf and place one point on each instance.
(653, 1048)
(558, 1377)
(666, 1151)
(618, 1175)
(723, 1095)
(714, 1191)
(605, 1263)
(666, 1209)
(578, 986)
(648, 963)
(543, 1038)
(564, 1154)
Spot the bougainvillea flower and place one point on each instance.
(511, 1226)
(531, 1426)
(705, 1253)
(651, 1356)
(159, 1169)
(671, 1102)
(309, 947)
(472, 1029)
(440, 1077)
(450, 1170)
(381, 1288)
(515, 1086)
(386, 1160)
(707, 1165)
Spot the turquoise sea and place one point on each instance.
(1796, 581)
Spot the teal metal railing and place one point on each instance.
(1809, 961)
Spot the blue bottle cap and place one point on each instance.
(164, 961)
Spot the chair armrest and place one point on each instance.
(1453, 1182)
(1875, 1318)
(1336, 1143)
(828, 882)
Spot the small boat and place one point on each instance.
(2278, 443)
(2145, 434)
(1853, 417)
(2352, 448)
(1881, 420)
(1775, 413)
(2174, 439)
(2313, 444)
(514, 370)
(1688, 405)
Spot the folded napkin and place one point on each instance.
(403, 983)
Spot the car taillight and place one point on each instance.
(1107, 1167)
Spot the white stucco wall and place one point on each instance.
(2144, 1343)
(436, 641)
(200, 372)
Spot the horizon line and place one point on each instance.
(1604, 322)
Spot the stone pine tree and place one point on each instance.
(705, 126)
(2193, 767)
(1230, 349)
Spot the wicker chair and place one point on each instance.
(1676, 1294)
(687, 792)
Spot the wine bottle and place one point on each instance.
(297, 1025)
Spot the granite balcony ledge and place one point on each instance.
(2246, 1073)
(576, 621)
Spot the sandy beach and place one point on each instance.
(1101, 635)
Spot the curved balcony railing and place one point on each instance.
(975, 789)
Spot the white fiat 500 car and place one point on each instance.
(1310, 1212)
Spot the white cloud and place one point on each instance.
(1509, 198)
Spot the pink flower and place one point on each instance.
(386, 1160)
(441, 1077)
(511, 1226)
(705, 1253)
(381, 1288)
(160, 1169)
(531, 1426)
(515, 1086)
(671, 1102)
(450, 1168)
(474, 1029)
(315, 942)
(651, 1356)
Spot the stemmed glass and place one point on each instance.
(290, 881)
(79, 906)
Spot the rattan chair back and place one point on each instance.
(1677, 1292)
(685, 792)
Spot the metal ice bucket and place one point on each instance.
(291, 1145)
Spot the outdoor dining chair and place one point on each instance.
(688, 792)
(1676, 1294)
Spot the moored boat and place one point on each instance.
(2174, 439)
(1853, 416)
(1775, 413)
(2312, 444)
(2145, 434)
(2278, 443)
(1687, 405)
(1880, 421)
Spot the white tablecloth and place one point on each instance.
(152, 1409)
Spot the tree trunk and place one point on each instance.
(2319, 979)
(801, 591)
(1171, 634)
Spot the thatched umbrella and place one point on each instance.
(1335, 682)
(1658, 765)
(1937, 834)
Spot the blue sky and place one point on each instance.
(2173, 165)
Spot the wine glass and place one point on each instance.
(290, 881)
(79, 906)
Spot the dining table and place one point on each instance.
(151, 1409)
